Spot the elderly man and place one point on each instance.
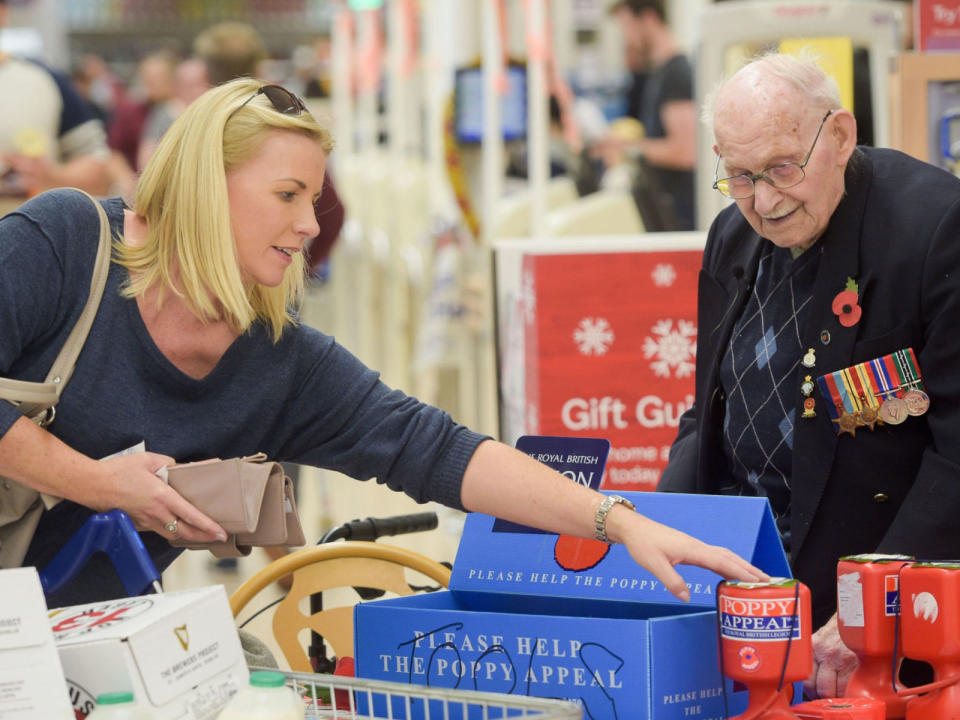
(833, 256)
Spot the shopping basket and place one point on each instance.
(350, 698)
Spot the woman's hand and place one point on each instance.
(132, 484)
(658, 548)
(128, 482)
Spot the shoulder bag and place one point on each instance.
(21, 506)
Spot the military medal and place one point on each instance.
(843, 413)
(809, 359)
(806, 387)
(916, 400)
(849, 396)
(860, 391)
(869, 416)
(871, 409)
(846, 423)
(893, 410)
(888, 389)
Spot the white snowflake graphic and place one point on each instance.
(672, 348)
(663, 275)
(528, 297)
(593, 336)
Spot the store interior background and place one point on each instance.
(412, 287)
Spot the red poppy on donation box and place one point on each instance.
(610, 344)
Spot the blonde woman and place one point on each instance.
(195, 352)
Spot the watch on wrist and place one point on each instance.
(600, 519)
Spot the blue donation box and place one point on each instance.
(537, 614)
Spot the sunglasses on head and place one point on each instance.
(283, 100)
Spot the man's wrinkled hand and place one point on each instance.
(833, 663)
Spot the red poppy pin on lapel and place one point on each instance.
(845, 305)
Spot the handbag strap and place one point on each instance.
(34, 399)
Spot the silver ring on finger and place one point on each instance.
(172, 527)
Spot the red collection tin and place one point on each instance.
(868, 603)
(930, 626)
(765, 639)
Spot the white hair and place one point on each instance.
(803, 72)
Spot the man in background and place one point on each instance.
(189, 82)
(230, 50)
(52, 140)
(661, 99)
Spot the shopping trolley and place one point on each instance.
(349, 698)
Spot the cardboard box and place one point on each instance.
(31, 678)
(178, 653)
(519, 619)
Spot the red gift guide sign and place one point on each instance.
(937, 25)
(609, 352)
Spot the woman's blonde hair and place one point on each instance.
(182, 195)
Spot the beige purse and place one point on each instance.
(21, 506)
(251, 498)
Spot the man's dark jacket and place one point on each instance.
(895, 489)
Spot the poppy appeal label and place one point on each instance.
(759, 620)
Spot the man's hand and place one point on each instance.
(833, 663)
(611, 150)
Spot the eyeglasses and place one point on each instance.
(283, 100)
(782, 176)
